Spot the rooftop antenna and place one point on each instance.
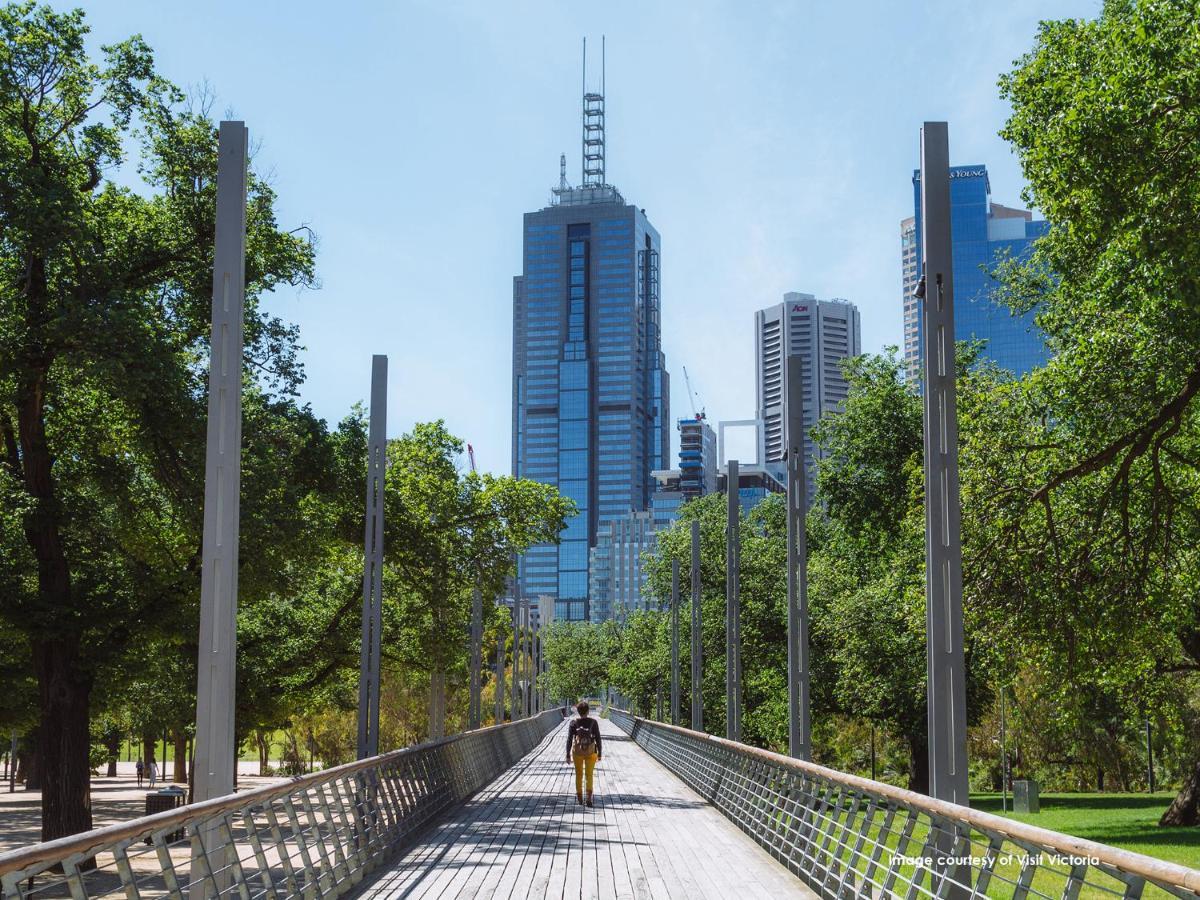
(562, 172)
(593, 124)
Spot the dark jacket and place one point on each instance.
(589, 724)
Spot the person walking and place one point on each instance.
(141, 770)
(584, 750)
(152, 769)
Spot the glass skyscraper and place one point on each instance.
(590, 387)
(982, 233)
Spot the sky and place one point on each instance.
(771, 144)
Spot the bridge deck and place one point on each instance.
(524, 836)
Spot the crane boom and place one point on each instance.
(471, 457)
(691, 393)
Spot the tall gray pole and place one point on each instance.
(372, 587)
(799, 740)
(733, 510)
(674, 642)
(475, 704)
(947, 700)
(697, 650)
(516, 652)
(215, 750)
(499, 711)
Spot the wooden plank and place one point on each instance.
(649, 836)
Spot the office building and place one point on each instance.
(590, 387)
(697, 457)
(910, 275)
(822, 333)
(616, 573)
(982, 235)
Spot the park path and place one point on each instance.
(523, 835)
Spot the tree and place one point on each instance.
(1088, 471)
(104, 317)
(867, 557)
(578, 659)
(447, 533)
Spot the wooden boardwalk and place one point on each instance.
(647, 836)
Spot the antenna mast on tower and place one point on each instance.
(593, 125)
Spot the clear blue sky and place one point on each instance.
(771, 144)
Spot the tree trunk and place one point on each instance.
(179, 776)
(63, 738)
(918, 763)
(1185, 808)
(264, 751)
(112, 744)
(437, 705)
(1100, 780)
(148, 751)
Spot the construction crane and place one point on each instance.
(471, 457)
(692, 395)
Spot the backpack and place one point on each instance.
(585, 742)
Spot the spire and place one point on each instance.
(593, 125)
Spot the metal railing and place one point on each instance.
(313, 836)
(846, 836)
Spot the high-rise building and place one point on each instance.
(822, 333)
(910, 275)
(590, 387)
(697, 457)
(982, 235)
(616, 576)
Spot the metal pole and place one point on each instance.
(217, 659)
(12, 766)
(372, 585)
(799, 742)
(1003, 757)
(516, 653)
(674, 642)
(222, 477)
(874, 776)
(943, 550)
(475, 705)
(499, 711)
(732, 520)
(1149, 758)
(697, 650)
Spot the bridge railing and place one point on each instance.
(313, 836)
(846, 836)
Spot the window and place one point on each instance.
(573, 555)
(573, 435)
(573, 464)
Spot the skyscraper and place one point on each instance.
(590, 387)
(910, 275)
(697, 457)
(822, 333)
(983, 233)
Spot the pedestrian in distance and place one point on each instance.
(152, 770)
(584, 750)
(141, 770)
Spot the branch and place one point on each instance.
(1136, 441)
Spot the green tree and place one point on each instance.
(578, 659)
(447, 532)
(1085, 475)
(104, 318)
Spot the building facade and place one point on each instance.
(590, 389)
(822, 333)
(982, 235)
(697, 457)
(910, 275)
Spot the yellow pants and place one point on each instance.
(583, 763)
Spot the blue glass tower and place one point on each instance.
(983, 234)
(590, 387)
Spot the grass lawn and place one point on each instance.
(1128, 821)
